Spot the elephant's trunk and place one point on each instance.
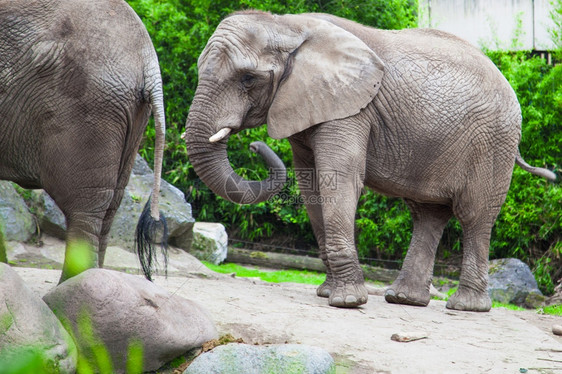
(210, 161)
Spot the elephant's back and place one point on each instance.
(432, 76)
(84, 38)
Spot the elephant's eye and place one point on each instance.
(248, 80)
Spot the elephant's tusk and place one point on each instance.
(223, 133)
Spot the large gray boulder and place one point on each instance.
(210, 242)
(122, 309)
(16, 221)
(275, 359)
(172, 205)
(511, 281)
(27, 327)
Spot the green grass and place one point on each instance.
(497, 304)
(555, 310)
(277, 276)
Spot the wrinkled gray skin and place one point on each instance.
(78, 81)
(417, 114)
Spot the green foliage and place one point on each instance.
(384, 226)
(135, 358)
(79, 257)
(556, 30)
(93, 355)
(23, 360)
(3, 250)
(555, 310)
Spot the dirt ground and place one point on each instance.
(501, 341)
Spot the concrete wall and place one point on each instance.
(491, 23)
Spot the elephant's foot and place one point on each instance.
(470, 300)
(348, 295)
(325, 289)
(400, 292)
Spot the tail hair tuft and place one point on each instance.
(145, 237)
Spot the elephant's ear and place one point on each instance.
(332, 75)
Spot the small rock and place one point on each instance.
(534, 300)
(210, 242)
(411, 336)
(274, 359)
(435, 293)
(374, 290)
(557, 330)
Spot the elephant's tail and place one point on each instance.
(151, 222)
(541, 172)
(146, 234)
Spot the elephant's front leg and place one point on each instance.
(305, 173)
(346, 288)
(340, 170)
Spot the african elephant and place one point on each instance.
(417, 114)
(78, 82)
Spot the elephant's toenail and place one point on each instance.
(337, 300)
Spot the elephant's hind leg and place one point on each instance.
(84, 212)
(106, 224)
(477, 208)
(413, 283)
(472, 294)
(122, 180)
(80, 172)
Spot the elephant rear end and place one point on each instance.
(78, 81)
(444, 112)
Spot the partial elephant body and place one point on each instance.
(78, 80)
(428, 117)
(417, 114)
